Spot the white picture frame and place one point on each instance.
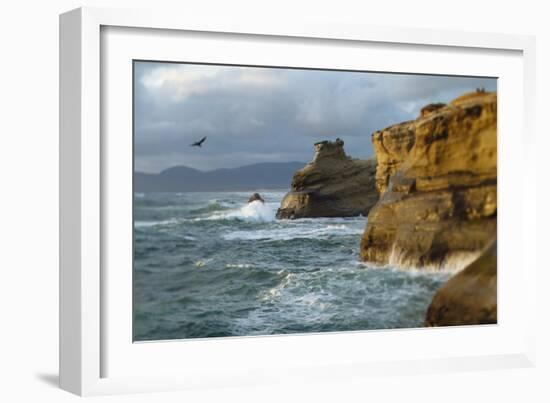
(93, 360)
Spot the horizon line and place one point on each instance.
(219, 169)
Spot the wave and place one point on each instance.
(146, 224)
(202, 263)
(452, 264)
(297, 232)
(255, 211)
(211, 207)
(238, 266)
(275, 292)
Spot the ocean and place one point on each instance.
(211, 265)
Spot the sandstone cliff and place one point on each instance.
(470, 297)
(437, 178)
(331, 185)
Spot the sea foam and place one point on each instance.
(140, 224)
(294, 232)
(254, 211)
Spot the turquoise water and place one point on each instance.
(211, 265)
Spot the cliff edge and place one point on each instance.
(437, 179)
(331, 185)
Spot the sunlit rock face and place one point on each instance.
(331, 185)
(470, 297)
(437, 179)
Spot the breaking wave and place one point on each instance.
(294, 232)
(255, 211)
(145, 224)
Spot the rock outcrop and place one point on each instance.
(255, 197)
(437, 178)
(470, 297)
(331, 185)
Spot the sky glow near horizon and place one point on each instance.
(255, 114)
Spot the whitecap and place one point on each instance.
(238, 266)
(275, 292)
(255, 211)
(140, 224)
(202, 263)
(294, 232)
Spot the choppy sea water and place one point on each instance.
(211, 265)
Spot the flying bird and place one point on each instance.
(198, 143)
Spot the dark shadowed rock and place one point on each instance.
(425, 111)
(331, 185)
(437, 178)
(470, 297)
(255, 197)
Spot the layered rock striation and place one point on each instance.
(437, 179)
(331, 185)
(469, 297)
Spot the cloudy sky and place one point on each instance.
(254, 114)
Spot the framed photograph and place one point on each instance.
(256, 202)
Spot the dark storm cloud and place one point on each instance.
(263, 115)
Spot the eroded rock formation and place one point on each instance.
(331, 185)
(255, 197)
(469, 297)
(437, 178)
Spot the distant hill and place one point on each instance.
(269, 175)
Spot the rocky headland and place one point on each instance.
(437, 180)
(470, 297)
(331, 185)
